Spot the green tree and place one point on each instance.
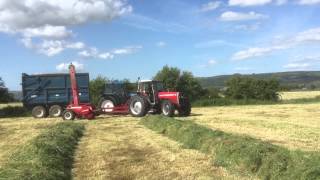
(5, 96)
(250, 88)
(169, 76)
(96, 87)
(175, 80)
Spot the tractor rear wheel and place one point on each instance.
(138, 106)
(185, 108)
(167, 108)
(55, 111)
(68, 115)
(39, 112)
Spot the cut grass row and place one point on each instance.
(47, 156)
(240, 153)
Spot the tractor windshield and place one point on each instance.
(159, 86)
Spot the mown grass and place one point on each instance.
(240, 153)
(47, 156)
(117, 147)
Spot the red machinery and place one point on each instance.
(75, 108)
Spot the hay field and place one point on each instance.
(299, 95)
(121, 148)
(15, 132)
(295, 126)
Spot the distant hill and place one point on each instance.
(291, 80)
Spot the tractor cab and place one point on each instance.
(151, 89)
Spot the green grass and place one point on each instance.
(240, 153)
(48, 156)
(13, 111)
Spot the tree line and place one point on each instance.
(174, 79)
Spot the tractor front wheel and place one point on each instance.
(167, 108)
(138, 106)
(68, 115)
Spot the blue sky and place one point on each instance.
(135, 38)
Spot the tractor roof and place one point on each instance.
(144, 81)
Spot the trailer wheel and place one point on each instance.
(138, 106)
(68, 115)
(167, 108)
(39, 112)
(55, 111)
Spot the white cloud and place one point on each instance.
(309, 2)
(238, 16)
(251, 53)
(302, 38)
(23, 14)
(161, 44)
(244, 3)
(51, 47)
(210, 6)
(94, 52)
(47, 31)
(298, 66)
(48, 21)
(126, 50)
(65, 66)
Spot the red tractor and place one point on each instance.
(149, 97)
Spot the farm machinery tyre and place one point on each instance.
(106, 103)
(185, 108)
(68, 115)
(167, 108)
(138, 106)
(55, 111)
(39, 112)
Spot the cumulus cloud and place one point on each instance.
(65, 66)
(309, 2)
(49, 20)
(210, 6)
(47, 31)
(281, 2)
(94, 52)
(244, 3)
(23, 14)
(51, 47)
(310, 36)
(239, 16)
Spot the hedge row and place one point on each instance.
(13, 111)
(239, 153)
(48, 156)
